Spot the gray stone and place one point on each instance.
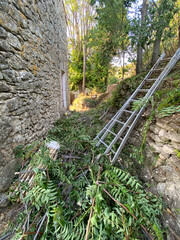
(4, 87)
(4, 46)
(164, 155)
(4, 200)
(163, 134)
(174, 161)
(5, 128)
(13, 104)
(8, 23)
(168, 149)
(159, 174)
(6, 175)
(9, 76)
(161, 188)
(14, 41)
(5, 96)
(156, 138)
(1, 76)
(175, 137)
(2, 160)
(3, 33)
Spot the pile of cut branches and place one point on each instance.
(80, 195)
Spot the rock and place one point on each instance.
(159, 174)
(168, 149)
(176, 146)
(161, 188)
(163, 134)
(175, 137)
(13, 104)
(5, 96)
(4, 200)
(4, 87)
(156, 148)
(1, 76)
(174, 160)
(164, 155)
(156, 138)
(7, 174)
(4, 46)
(8, 23)
(159, 162)
(14, 41)
(154, 128)
(146, 174)
(3, 33)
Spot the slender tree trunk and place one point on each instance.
(106, 78)
(84, 66)
(179, 36)
(156, 51)
(80, 87)
(139, 59)
(84, 49)
(139, 48)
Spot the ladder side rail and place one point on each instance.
(166, 71)
(106, 126)
(171, 64)
(120, 132)
(118, 114)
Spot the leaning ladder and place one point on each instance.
(131, 117)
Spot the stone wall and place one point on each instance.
(33, 62)
(162, 167)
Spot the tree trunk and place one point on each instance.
(84, 66)
(179, 36)
(84, 49)
(156, 51)
(106, 79)
(80, 87)
(139, 48)
(139, 60)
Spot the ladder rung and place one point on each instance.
(158, 69)
(106, 145)
(110, 131)
(118, 121)
(143, 90)
(151, 79)
(127, 111)
(165, 59)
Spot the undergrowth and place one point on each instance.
(82, 196)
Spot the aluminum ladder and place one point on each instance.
(126, 118)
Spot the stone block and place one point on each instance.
(159, 174)
(167, 148)
(14, 41)
(174, 161)
(163, 134)
(156, 138)
(3, 33)
(5, 128)
(5, 96)
(6, 175)
(4, 87)
(164, 155)
(156, 148)
(176, 145)
(174, 136)
(4, 200)
(8, 23)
